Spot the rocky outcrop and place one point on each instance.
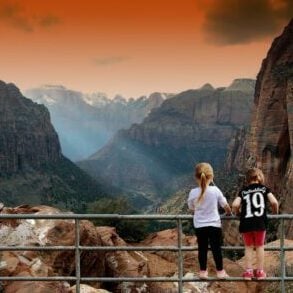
(86, 122)
(152, 159)
(123, 263)
(269, 142)
(236, 154)
(87, 289)
(43, 264)
(27, 138)
(32, 167)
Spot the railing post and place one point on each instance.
(77, 256)
(180, 256)
(282, 252)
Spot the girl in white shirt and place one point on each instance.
(204, 201)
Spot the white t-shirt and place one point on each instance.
(206, 213)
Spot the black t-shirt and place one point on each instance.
(253, 215)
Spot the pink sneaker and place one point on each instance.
(222, 274)
(203, 274)
(248, 274)
(260, 274)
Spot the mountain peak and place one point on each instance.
(242, 84)
(207, 87)
(9, 86)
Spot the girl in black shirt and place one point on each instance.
(251, 203)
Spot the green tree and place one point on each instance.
(129, 230)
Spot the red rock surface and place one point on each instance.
(43, 264)
(269, 142)
(87, 289)
(123, 263)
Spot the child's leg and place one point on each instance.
(260, 257)
(215, 237)
(248, 257)
(259, 243)
(202, 242)
(248, 239)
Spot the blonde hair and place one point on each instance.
(255, 174)
(204, 173)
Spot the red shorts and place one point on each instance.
(254, 238)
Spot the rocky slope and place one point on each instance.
(111, 263)
(28, 139)
(156, 157)
(32, 167)
(85, 122)
(268, 143)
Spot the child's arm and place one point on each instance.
(274, 203)
(227, 209)
(236, 205)
(224, 204)
(190, 202)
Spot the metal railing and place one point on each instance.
(179, 249)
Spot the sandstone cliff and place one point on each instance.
(268, 143)
(27, 139)
(32, 167)
(157, 156)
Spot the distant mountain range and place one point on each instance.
(155, 158)
(86, 122)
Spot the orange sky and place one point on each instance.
(131, 47)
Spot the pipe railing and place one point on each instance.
(180, 279)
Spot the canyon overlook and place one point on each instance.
(246, 124)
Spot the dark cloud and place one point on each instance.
(230, 22)
(8, 10)
(13, 15)
(110, 60)
(49, 20)
(22, 23)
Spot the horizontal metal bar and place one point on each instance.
(127, 248)
(35, 248)
(141, 279)
(46, 279)
(176, 279)
(171, 248)
(122, 217)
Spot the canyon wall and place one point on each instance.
(155, 158)
(32, 167)
(268, 143)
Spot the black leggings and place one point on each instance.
(212, 235)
